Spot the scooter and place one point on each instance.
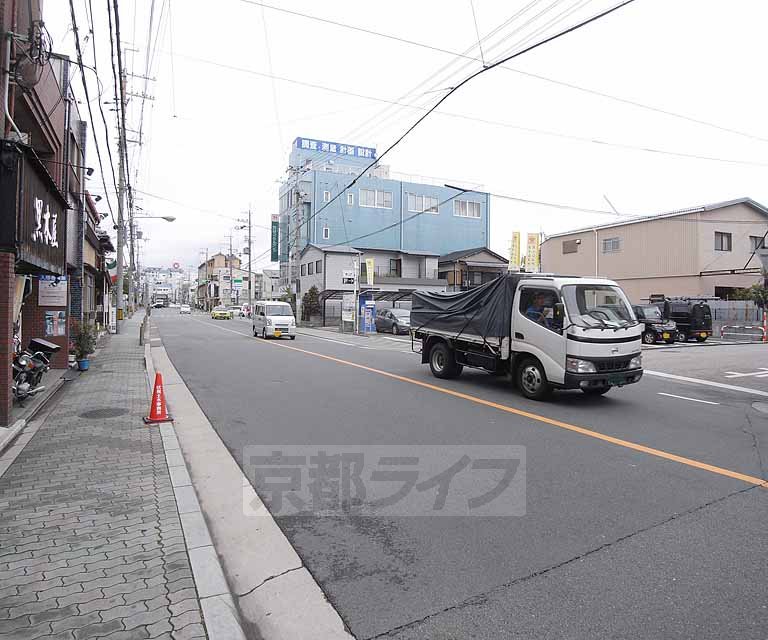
(29, 366)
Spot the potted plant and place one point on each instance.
(84, 342)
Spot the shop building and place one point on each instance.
(40, 167)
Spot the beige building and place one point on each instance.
(699, 251)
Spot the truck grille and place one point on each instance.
(612, 365)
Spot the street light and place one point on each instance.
(166, 218)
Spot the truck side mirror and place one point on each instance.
(558, 315)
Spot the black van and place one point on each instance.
(657, 328)
(693, 318)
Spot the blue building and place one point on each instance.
(377, 213)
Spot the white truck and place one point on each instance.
(543, 331)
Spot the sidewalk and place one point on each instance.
(91, 543)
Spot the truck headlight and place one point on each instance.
(636, 362)
(575, 365)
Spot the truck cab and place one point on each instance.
(560, 333)
(586, 337)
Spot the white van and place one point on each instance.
(273, 319)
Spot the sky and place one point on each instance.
(233, 86)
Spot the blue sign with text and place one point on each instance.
(323, 146)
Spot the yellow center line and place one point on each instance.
(531, 416)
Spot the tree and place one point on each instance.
(310, 303)
(290, 297)
(758, 293)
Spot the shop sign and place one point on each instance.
(52, 291)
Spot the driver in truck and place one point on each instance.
(539, 312)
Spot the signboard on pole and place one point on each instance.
(369, 266)
(275, 238)
(237, 284)
(532, 253)
(514, 252)
(348, 276)
(348, 307)
(52, 291)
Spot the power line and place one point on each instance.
(88, 102)
(271, 71)
(561, 83)
(473, 118)
(453, 90)
(101, 106)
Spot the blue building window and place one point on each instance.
(466, 209)
(375, 198)
(420, 204)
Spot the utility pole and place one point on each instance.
(231, 281)
(250, 273)
(120, 233)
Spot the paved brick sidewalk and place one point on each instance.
(91, 545)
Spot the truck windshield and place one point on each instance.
(597, 305)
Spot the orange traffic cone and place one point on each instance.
(158, 412)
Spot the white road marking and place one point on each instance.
(706, 383)
(762, 373)
(672, 395)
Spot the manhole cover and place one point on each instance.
(762, 407)
(109, 412)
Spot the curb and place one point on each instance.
(9, 434)
(276, 595)
(220, 614)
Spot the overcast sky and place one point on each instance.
(217, 134)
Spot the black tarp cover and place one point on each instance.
(484, 311)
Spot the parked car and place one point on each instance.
(157, 305)
(393, 321)
(185, 308)
(693, 318)
(656, 327)
(221, 313)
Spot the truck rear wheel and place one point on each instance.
(532, 380)
(442, 362)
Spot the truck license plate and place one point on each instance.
(616, 379)
(703, 334)
(665, 336)
(278, 333)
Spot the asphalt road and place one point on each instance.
(640, 519)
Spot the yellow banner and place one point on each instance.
(532, 253)
(369, 271)
(514, 252)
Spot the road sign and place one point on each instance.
(237, 284)
(348, 276)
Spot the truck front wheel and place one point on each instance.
(532, 381)
(442, 362)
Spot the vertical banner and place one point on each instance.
(532, 253)
(369, 266)
(514, 252)
(275, 239)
